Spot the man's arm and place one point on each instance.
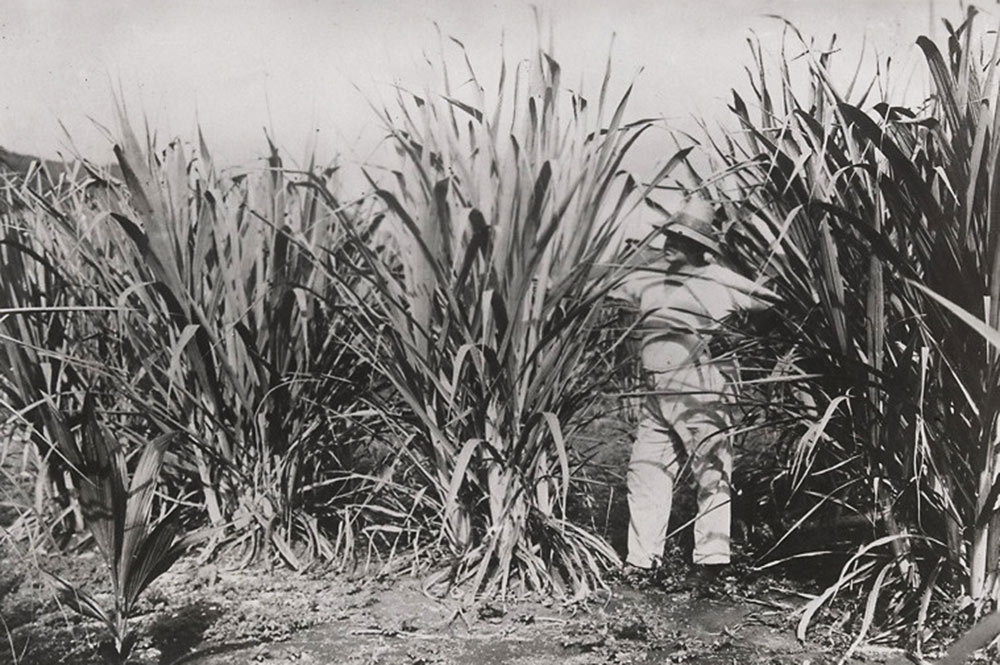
(760, 297)
(744, 293)
(624, 267)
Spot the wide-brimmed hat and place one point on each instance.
(693, 222)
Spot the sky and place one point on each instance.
(309, 70)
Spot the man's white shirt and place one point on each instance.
(690, 299)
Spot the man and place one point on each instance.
(682, 295)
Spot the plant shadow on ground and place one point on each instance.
(180, 632)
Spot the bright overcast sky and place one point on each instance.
(297, 66)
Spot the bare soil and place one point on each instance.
(211, 616)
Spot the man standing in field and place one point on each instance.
(683, 294)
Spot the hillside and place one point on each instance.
(16, 163)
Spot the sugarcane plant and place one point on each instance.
(235, 332)
(49, 340)
(485, 309)
(137, 545)
(888, 408)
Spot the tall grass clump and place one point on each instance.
(251, 348)
(51, 343)
(888, 405)
(486, 317)
(216, 309)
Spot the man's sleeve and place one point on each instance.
(741, 293)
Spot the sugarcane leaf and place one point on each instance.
(675, 160)
(458, 477)
(814, 605)
(149, 204)
(149, 558)
(418, 237)
(101, 485)
(474, 113)
(555, 429)
(478, 245)
(179, 347)
(442, 211)
(943, 80)
(871, 604)
(284, 548)
(78, 600)
(902, 165)
(165, 545)
(988, 332)
(142, 489)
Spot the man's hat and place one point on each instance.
(693, 223)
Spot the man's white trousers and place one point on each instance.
(686, 416)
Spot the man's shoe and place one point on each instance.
(708, 580)
(638, 577)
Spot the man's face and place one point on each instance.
(681, 251)
(674, 254)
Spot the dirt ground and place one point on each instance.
(212, 616)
